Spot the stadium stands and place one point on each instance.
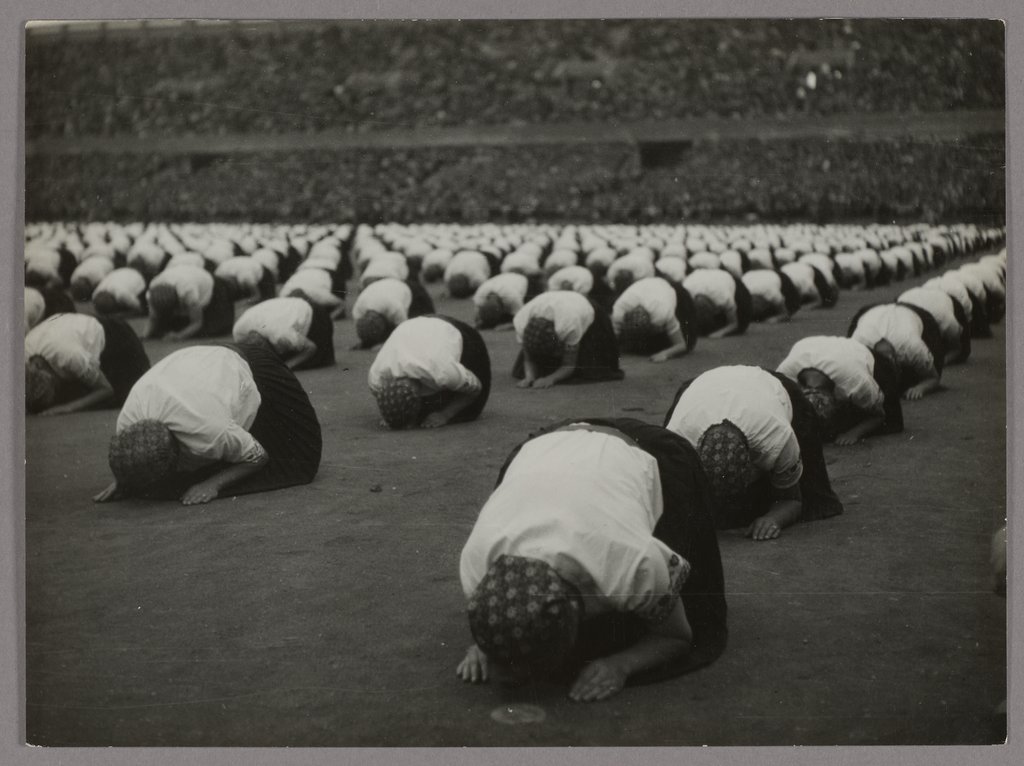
(767, 180)
(370, 76)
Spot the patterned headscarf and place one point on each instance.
(636, 329)
(143, 454)
(492, 311)
(163, 299)
(725, 455)
(399, 402)
(40, 384)
(524, 612)
(459, 286)
(541, 341)
(373, 328)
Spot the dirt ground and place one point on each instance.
(331, 614)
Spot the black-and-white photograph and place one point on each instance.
(510, 382)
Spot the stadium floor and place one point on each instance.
(331, 614)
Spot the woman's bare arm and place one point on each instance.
(606, 676)
(207, 490)
(101, 393)
(569, 360)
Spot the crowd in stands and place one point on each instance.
(766, 180)
(365, 76)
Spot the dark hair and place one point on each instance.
(373, 328)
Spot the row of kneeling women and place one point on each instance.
(550, 589)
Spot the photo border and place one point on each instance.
(12, 478)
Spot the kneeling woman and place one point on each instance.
(564, 336)
(386, 303)
(431, 371)
(595, 561)
(759, 441)
(207, 419)
(75, 362)
(721, 302)
(855, 390)
(914, 338)
(300, 332)
(655, 317)
(188, 302)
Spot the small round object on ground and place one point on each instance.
(518, 714)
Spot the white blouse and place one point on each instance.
(71, 343)
(470, 264)
(93, 270)
(35, 307)
(125, 285)
(716, 285)
(388, 297)
(579, 279)
(765, 284)
(207, 397)
(284, 322)
(243, 269)
(637, 264)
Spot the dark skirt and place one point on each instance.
(887, 375)
(964, 349)
(687, 526)
(474, 358)
(744, 307)
(819, 501)
(421, 301)
(288, 264)
(68, 264)
(56, 302)
(321, 332)
(267, 285)
(286, 425)
(602, 295)
(790, 294)
(980, 326)
(123, 359)
(829, 293)
(995, 306)
(219, 313)
(535, 285)
(598, 358)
